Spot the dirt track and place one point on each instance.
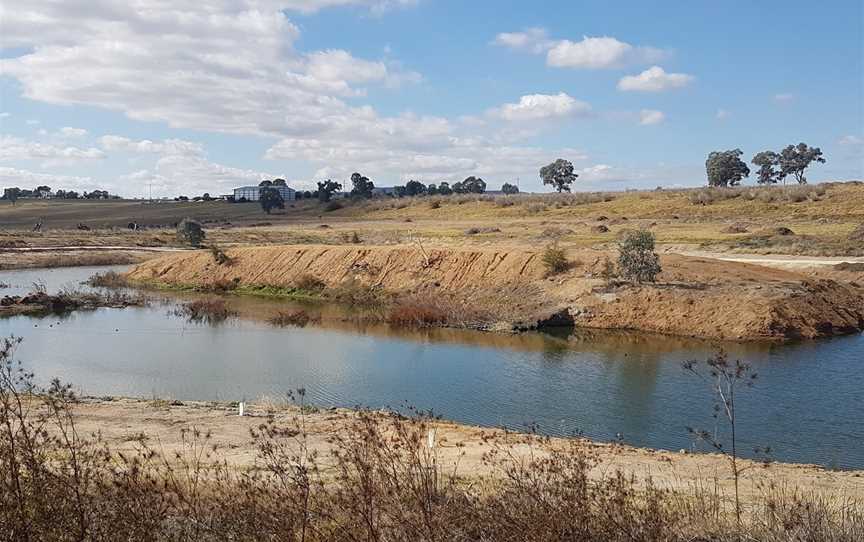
(693, 296)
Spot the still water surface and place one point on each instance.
(806, 403)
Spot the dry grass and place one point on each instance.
(108, 279)
(428, 310)
(381, 480)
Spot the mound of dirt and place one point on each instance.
(600, 229)
(695, 297)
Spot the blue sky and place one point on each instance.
(190, 96)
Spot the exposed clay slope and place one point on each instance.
(694, 297)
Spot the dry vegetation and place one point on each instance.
(822, 216)
(212, 310)
(381, 480)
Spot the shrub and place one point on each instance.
(299, 318)
(108, 279)
(207, 311)
(219, 255)
(332, 206)
(190, 231)
(636, 257)
(554, 260)
(417, 314)
(309, 283)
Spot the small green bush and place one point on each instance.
(555, 260)
(636, 257)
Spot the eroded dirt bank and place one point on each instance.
(122, 422)
(697, 297)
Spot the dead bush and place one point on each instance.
(298, 318)
(309, 283)
(108, 279)
(212, 310)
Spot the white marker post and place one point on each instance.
(242, 408)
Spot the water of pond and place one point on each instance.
(806, 403)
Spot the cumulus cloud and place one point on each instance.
(599, 53)
(176, 173)
(69, 132)
(542, 106)
(651, 116)
(167, 146)
(24, 178)
(654, 79)
(784, 98)
(533, 40)
(591, 52)
(14, 148)
(232, 66)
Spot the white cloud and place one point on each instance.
(599, 52)
(217, 66)
(68, 131)
(166, 147)
(14, 148)
(654, 79)
(722, 114)
(30, 122)
(542, 106)
(784, 98)
(851, 141)
(5, 114)
(532, 40)
(651, 116)
(25, 179)
(193, 175)
(589, 53)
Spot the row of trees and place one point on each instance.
(725, 168)
(13, 194)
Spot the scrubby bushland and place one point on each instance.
(382, 480)
(636, 257)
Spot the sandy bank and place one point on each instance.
(696, 297)
(121, 421)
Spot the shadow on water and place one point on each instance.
(806, 403)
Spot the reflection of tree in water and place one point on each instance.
(634, 364)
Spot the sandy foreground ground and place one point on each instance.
(460, 448)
